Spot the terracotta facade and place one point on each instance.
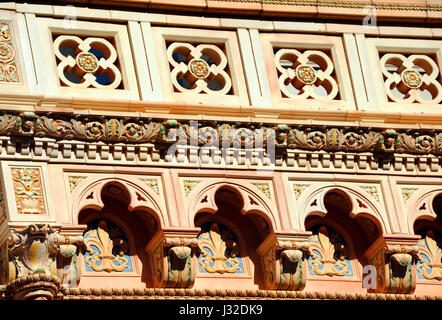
(259, 149)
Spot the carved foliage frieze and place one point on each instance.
(136, 130)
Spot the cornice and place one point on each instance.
(338, 137)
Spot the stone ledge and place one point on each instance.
(225, 294)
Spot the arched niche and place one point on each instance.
(251, 198)
(424, 209)
(360, 205)
(87, 195)
(118, 229)
(428, 225)
(339, 238)
(228, 243)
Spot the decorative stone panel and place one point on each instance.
(405, 73)
(15, 77)
(195, 68)
(307, 71)
(27, 192)
(90, 59)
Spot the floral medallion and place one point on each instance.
(411, 78)
(199, 68)
(87, 62)
(306, 74)
(6, 53)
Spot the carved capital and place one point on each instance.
(284, 262)
(39, 262)
(172, 253)
(394, 259)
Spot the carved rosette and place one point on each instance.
(85, 65)
(8, 64)
(303, 77)
(198, 68)
(41, 263)
(407, 77)
(284, 260)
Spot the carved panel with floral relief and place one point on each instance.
(8, 63)
(28, 189)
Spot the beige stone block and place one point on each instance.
(234, 6)
(287, 9)
(80, 12)
(192, 21)
(405, 32)
(8, 5)
(349, 13)
(299, 26)
(231, 88)
(346, 28)
(34, 8)
(128, 15)
(122, 76)
(400, 2)
(185, 3)
(246, 23)
(436, 32)
(306, 101)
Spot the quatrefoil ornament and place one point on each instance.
(408, 78)
(303, 77)
(85, 64)
(201, 67)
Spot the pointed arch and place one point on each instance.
(312, 203)
(87, 195)
(203, 200)
(422, 207)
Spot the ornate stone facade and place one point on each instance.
(187, 151)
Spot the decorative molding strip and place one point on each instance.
(136, 130)
(202, 294)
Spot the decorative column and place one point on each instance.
(393, 257)
(284, 260)
(173, 257)
(40, 263)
